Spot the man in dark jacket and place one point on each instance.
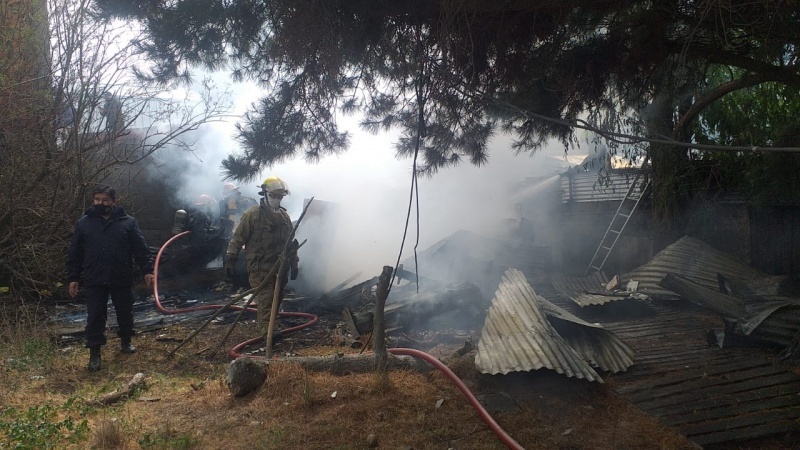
(104, 246)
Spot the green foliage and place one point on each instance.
(40, 427)
(764, 114)
(35, 353)
(767, 114)
(447, 75)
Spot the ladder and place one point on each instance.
(624, 212)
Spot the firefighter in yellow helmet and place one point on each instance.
(262, 231)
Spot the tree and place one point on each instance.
(58, 143)
(449, 74)
(766, 178)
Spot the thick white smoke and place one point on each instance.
(366, 194)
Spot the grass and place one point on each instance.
(186, 405)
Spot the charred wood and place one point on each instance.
(465, 300)
(378, 324)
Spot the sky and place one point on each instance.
(366, 191)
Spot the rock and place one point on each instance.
(244, 376)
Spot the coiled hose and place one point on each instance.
(234, 352)
(312, 319)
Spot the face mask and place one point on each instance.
(274, 203)
(102, 209)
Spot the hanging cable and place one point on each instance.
(414, 193)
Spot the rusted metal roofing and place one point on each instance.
(586, 291)
(600, 347)
(691, 258)
(582, 186)
(517, 336)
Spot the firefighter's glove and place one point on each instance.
(230, 263)
(291, 256)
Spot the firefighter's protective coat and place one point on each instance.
(262, 232)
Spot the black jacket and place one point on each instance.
(103, 250)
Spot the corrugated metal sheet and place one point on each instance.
(600, 347)
(586, 291)
(691, 258)
(773, 319)
(723, 304)
(583, 186)
(517, 336)
(776, 319)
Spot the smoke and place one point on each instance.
(367, 193)
(362, 196)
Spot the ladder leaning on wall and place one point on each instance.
(626, 208)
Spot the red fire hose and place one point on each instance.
(312, 319)
(494, 426)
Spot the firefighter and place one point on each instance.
(233, 204)
(263, 231)
(208, 239)
(201, 217)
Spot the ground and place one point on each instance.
(47, 399)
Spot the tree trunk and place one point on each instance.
(669, 164)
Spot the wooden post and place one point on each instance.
(379, 335)
(273, 314)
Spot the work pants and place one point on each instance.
(97, 312)
(263, 298)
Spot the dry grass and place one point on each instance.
(108, 434)
(186, 404)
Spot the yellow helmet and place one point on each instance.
(274, 184)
